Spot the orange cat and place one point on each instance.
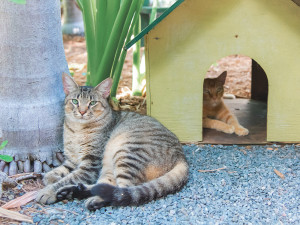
(215, 113)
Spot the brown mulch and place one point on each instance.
(10, 194)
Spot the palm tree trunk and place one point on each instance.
(31, 95)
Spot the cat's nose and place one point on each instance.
(82, 112)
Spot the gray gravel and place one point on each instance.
(247, 191)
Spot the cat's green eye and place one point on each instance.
(93, 103)
(75, 101)
(219, 90)
(206, 91)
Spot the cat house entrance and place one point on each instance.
(245, 95)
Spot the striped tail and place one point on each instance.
(169, 183)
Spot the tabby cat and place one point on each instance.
(112, 158)
(215, 113)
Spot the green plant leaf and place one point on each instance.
(21, 2)
(3, 144)
(6, 158)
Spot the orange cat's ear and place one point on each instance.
(222, 77)
(68, 83)
(104, 87)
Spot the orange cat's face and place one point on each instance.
(213, 89)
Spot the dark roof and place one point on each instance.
(297, 2)
(153, 24)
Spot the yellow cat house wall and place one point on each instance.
(193, 34)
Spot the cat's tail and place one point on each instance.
(168, 183)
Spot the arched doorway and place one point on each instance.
(246, 96)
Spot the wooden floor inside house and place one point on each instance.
(251, 114)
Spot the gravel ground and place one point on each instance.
(244, 190)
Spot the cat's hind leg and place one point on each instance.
(106, 189)
(117, 171)
(120, 168)
(96, 202)
(127, 171)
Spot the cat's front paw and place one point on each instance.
(229, 129)
(46, 196)
(95, 202)
(79, 191)
(241, 131)
(51, 178)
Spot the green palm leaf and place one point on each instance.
(6, 158)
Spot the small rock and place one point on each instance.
(172, 212)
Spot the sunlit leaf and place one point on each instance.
(6, 158)
(22, 2)
(3, 144)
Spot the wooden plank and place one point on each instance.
(251, 114)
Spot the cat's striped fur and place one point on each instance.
(121, 158)
(215, 113)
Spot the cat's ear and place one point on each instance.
(68, 83)
(222, 77)
(104, 87)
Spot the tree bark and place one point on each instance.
(32, 61)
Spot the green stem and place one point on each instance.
(113, 7)
(132, 10)
(119, 67)
(89, 27)
(153, 11)
(104, 68)
(136, 62)
(101, 6)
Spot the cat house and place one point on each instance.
(191, 35)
